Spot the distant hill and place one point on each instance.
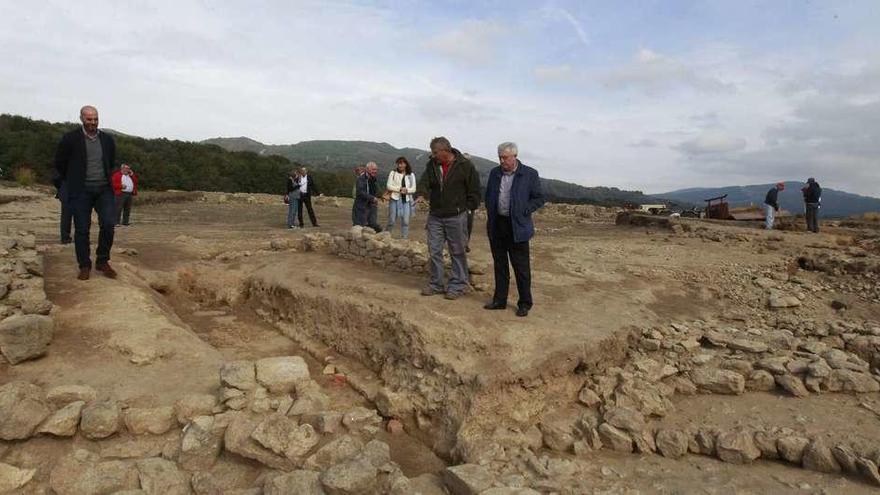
(834, 203)
(331, 155)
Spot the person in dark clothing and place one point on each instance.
(83, 163)
(513, 193)
(66, 214)
(812, 201)
(367, 198)
(450, 186)
(307, 188)
(771, 205)
(292, 196)
(358, 171)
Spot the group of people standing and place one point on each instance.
(451, 186)
(300, 188)
(812, 194)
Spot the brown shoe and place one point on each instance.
(84, 273)
(106, 269)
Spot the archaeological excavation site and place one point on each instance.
(235, 356)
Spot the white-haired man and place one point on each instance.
(513, 193)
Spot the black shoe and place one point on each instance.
(66, 241)
(522, 311)
(495, 305)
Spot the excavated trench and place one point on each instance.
(462, 402)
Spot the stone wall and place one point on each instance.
(25, 328)
(364, 245)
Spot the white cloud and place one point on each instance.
(712, 142)
(474, 42)
(557, 13)
(554, 73)
(653, 73)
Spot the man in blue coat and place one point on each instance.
(513, 193)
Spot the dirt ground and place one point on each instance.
(145, 341)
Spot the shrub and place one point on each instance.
(25, 176)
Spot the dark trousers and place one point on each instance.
(504, 249)
(367, 215)
(102, 201)
(66, 221)
(812, 214)
(470, 223)
(305, 200)
(123, 208)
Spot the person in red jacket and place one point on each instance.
(124, 183)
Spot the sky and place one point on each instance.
(649, 95)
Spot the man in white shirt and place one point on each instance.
(307, 188)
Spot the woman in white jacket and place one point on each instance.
(401, 186)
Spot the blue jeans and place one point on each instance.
(399, 209)
(769, 215)
(102, 201)
(292, 209)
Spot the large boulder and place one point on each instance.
(818, 457)
(339, 450)
(22, 409)
(281, 374)
(672, 443)
(24, 337)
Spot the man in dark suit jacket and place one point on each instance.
(513, 193)
(308, 187)
(83, 164)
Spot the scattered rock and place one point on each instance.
(309, 399)
(780, 301)
(625, 418)
(868, 469)
(718, 381)
(156, 421)
(300, 482)
(760, 381)
(846, 457)
(361, 418)
(703, 442)
(737, 447)
(62, 395)
(339, 450)
(238, 440)
(557, 434)
(162, 477)
(200, 445)
(239, 374)
(192, 406)
(467, 479)
(672, 443)
(791, 448)
(614, 438)
(793, 385)
(767, 444)
(354, 477)
(24, 337)
(63, 422)
(281, 374)
(13, 478)
(22, 409)
(818, 457)
(588, 397)
(100, 420)
(377, 452)
(82, 473)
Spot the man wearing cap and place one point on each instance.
(771, 204)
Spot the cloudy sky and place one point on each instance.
(651, 95)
